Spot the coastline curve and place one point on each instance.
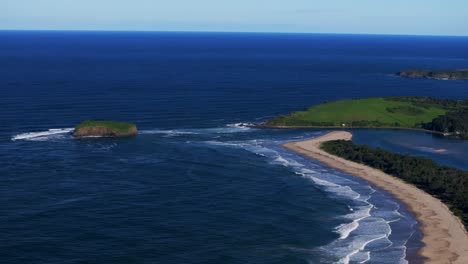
(444, 236)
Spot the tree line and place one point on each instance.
(454, 123)
(448, 184)
(426, 102)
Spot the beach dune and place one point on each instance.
(444, 236)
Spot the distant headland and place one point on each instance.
(102, 128)
(457, 74)
(443, 116)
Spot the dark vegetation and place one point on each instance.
(426, 102)
(457, 74)
(448, 184)
(454, 123)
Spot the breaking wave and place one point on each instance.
(43, 135)
(366, 229)
(227, 129)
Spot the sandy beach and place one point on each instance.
(444, 236)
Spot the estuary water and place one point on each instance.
(195, 186)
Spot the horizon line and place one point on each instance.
(234, 32)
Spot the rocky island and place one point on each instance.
(457, 74)
(101, 128)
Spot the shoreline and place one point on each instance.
(352, 128)
(444, 236)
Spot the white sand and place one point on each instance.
(444, 236)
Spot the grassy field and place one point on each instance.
(119, 127)
(369, 112)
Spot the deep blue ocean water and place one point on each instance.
(194, 187)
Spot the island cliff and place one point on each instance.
(458, 74)
(91, 128)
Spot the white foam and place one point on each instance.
(336, 189)
(229, 128)
(278, 159)
(169, 132)
(367, 254)
(356, 215)
(241, 125)
(348, 248)
(346, 259)
(223, 143)
(362, 227)
(308, 171)
(42, 134)
(345, 229)
(328, 183)
(281, 160)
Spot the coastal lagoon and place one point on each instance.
(195, 186)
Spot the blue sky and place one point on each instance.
(414, 17)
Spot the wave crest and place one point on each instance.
(42, 135)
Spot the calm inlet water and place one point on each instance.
(195, 187)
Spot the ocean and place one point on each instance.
(195, 186)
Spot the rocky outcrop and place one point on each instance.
(105, 129)
(459, 74)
